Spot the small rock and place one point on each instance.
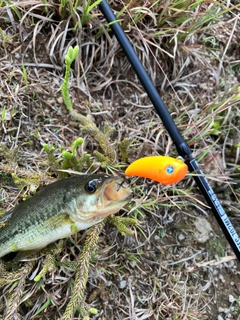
(221, 278)
(181, 237)
(203, 229)
(215, 272)
(220, 318)
(224, 310)
(60, 100)
(231, 298)
(231, 263)
(122, 284)
(17, 56)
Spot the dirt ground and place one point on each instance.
(177, 264)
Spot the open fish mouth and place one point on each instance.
(116, 189)
(114, 195)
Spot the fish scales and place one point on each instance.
(61, 209)
(29, 220)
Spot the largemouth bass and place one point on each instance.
(61, 209)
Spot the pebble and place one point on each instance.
(17, 56)
(181, 237)
(231, 263)
(220, 318)
(231, 298)
(122, 284)
(203, 230)
(109, 283)
(224, 310)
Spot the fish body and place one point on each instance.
(61, 209)
(166, 170)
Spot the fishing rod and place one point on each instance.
(182, 147)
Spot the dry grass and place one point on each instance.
(190, 51)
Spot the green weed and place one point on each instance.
(71, 55)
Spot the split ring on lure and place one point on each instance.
(165, 170)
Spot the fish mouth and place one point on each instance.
(114, 195)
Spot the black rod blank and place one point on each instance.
(182, 148)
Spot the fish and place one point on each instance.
(61, 209)
(163, 169)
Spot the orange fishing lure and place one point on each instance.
(165, 170)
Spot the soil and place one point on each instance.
(162, 271)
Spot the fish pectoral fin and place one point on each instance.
(21, 255)
(61, 222)
(58, 221)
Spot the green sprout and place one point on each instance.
(24, 75)
(71, 55)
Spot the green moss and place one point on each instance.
(122, 223)
(52, 162)
(69, 159)
(102, 138)
(123, 147)
(23, 182)
(9, 155)
(49, 263)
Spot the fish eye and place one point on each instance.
(91, 186)
(170, 169)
